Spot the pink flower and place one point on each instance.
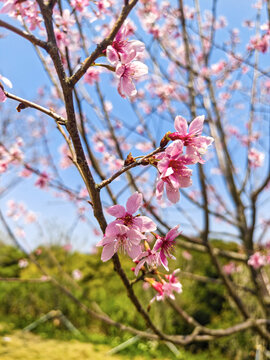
(165, 244)
(125, 216)
(9, 6)
(150, 257)
(230, 268)
(144, 146)
(255, 158)
(173, 171)
(66, 20)
(172, 285)
(126, 72)
(195, 143)
(123, 50)
(120, 237)
(25, 173)
(260, 44)
(166, 289)
(79, 5)
(92, 75)
(77, 274)
(19, 232)
(187, 255)
(23, 263)
(43, 181)
(66, 157)
(30, 217)
(257, 260)
(67, 247)
(218, 67)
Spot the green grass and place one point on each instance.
(27, 346)
(18, 345)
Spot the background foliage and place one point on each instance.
(22, 303)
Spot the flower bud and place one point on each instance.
(164, 141)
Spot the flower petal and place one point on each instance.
(134, 202)
(112, 229)
(185, 182)
(108, 251)
(196, 126)
(138, 69)
(134, 251)
(138, 267)
(159, 189)
(181, 125)
(117, 210)
(172, 194)
(163, 260)
(112, 55)
(126, 87)
(147, 224)
(135, 236)
(127, 56)
(172, 234)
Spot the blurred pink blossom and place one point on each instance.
(257, 260)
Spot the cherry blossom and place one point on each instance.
(255, 158)
(149, 257)
(257, 260)
(187, 255)
(166, 289)
(23, 263)
(230, 268)
(125, 216)
(165, 244)
(43, 181)
(77, 274)
(126, 72)
(260, 44)
(173, 171)
(195, 143)
(122, 50)
(92, 75)
(79, 5)
(120, 237)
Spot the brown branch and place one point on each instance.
(25, 35)
(59, 119)
(126, 168)
(248, 324)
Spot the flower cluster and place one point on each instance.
(255, 158)
(258, 260)
(172, 162)
(27, 9)
(132, 234)
(124, 55)
(259, 43)
(165, 288)
(13, 156)
(127, 231)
